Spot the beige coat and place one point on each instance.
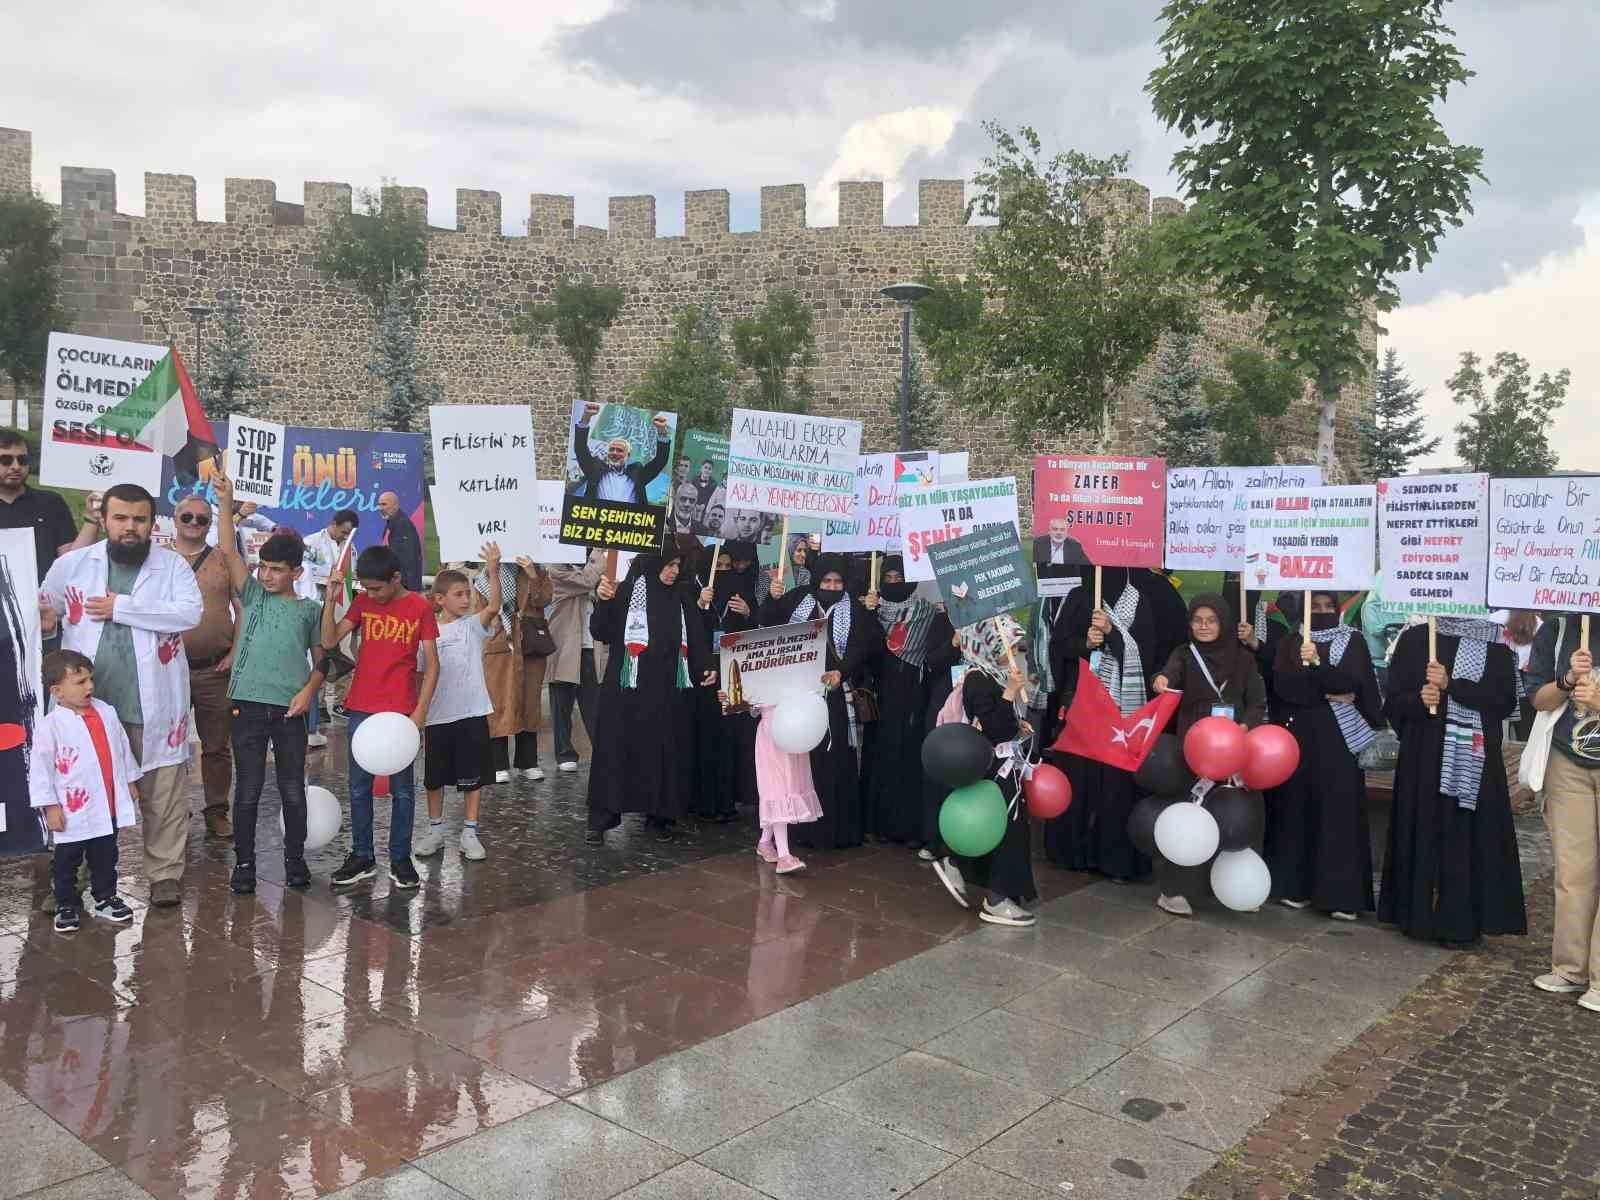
(516, 684)
(571, 584)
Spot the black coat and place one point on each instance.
(401, 536)
(594, 469)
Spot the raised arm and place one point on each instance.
(663, 447)
(227, 544)
(489, 553)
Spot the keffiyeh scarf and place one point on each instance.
(1123, 680)
(510, 573)
(636, 636)
(1353, 727)
(1461, 769)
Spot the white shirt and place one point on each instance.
(461, 691)
(615, 485)
(1058, 553)
(321, 553)
(64, 769)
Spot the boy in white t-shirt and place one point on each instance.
(457, 744)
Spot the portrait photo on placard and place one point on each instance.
(620, 453)
(699, 485)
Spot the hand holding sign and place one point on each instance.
(255, 458)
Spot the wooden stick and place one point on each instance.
(1097, 596)
(783, 548)
(716, 553)
(1245, 615)
(611, 566)
(1305, 617)
(1006, 642)
(1583, 632)
(872, 587)
(1433, 653)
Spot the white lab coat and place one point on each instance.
(165, 602)
(65, 770)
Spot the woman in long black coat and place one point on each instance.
(1452, 873)
(853, 635)
(944, 654)
(643, 738)
(1142, 620)
(1319, 847)
(891, 758)
(728, 747)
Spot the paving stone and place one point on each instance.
(968, 1181)
(1136, 969)
(407, 1183)
(1098, 1156)
(1099, 1010)
(41, 1153)
(798, 1048)
(689, 1181)
(1302, 1012)
(1104, 916)
(1341, 975)
(1062, 947)
(1191, 941)
(904, 1013)
(1238, 1050)
(1181, 1102)
(974, 967)
(109, 1184)
(1031, 1054)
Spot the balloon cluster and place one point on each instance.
(1222, 825)
(972, 820)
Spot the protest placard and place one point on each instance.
(982, 574)
(21, 696)
(1317, 537)
(874, 523)
(485, 488)
(700, 485)
(790, 463)
(549, 547)
(1433, 544)
(1544, 543)
(617, 477)
(1207, 509)
(255, 459)
(1107, 511)
(947, 511)
(955, 468)
(762, 666)
(85, 377)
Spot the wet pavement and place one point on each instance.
(654, 1020)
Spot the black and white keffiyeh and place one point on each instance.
(1461, 769)
(1123, 679)
(636, 637)
(1353, 727)
(905, 628)
(509, 574)
(838, 616)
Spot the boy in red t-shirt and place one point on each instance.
(392, 623)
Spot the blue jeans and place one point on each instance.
(402, 810)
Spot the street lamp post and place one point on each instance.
(198, 314)
(905, 295)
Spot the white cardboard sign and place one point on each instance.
(1433, 544)
(486, 488)
(85, 377)
(775, 662)
(792, 463)
(1206, 508)
(1544, 543)
(551, 549)
(937, 514)
(255, 459)
(1315, 537)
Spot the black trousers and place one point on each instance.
(587, 694)
(523, 755)
(252, 727)
(102, 855)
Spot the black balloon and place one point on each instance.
(1241, 817)
(956, 755)
(1164, 772)
(1142, 821)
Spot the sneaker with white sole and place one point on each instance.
(1559, 984)
(950, 875)
(1294, 904)
(534, 773)
(926, 855)
(316, 741)
(1178, 906)
(1007, 912)
(1590, 1000)
(114, 909)
(1344, 916)
(432, 842)
(471, 847)
(567, 766)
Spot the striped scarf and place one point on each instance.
(1461, 769)
(905, 627)
(509, 574)
(838, 618)
(1353, 727)
(636, 637)
(1124, 680)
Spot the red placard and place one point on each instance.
(1113, 509)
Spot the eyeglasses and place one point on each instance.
(13, 460)
(194, 518)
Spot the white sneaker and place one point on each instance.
(567, 766)
(950, 875)
(1295, 904)
(534, 773)
(502, 776)
(1343, 916)
(925, 855)
(316, 741)
(1590, 1000)
(1559, 984)
(432, 842)
(1007, 912)
(471, 847)
(1178, 906)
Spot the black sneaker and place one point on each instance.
(243, 881)
(355, 869)
(340, 712)
(295, 873)
(403, 874)
(66, 920)
(113, 909)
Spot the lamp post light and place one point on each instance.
(905, 295)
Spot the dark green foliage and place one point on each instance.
(30, 305)
(383, 244)
(578, 314)
(397, 363)
(1507, 432)
(230, 383)
(1183, 430)
(922, 408)
(777, 344)
(692, 375)
(1244, 410)
(1393, 435)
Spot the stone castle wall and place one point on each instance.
(131, 277)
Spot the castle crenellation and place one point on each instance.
(131, 277)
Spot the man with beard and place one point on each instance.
(126, 605)
(400, 535)
(685, 509)
(614, 477)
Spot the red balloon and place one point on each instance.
(1214, 748)
(12, 736)
(1272, 756)
(1047, 791)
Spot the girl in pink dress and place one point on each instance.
(786, 794)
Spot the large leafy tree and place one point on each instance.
(1244, 409)
(1507, 430)
(30, 305)
(777, 344)
(231, 385)
(383, 244)
(578, 315)
(1394, 434)
(1317, 166)
(1183, 434)
(692, 375)
(1066, 298)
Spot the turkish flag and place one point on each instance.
(1095, 729)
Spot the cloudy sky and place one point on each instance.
(595, 98)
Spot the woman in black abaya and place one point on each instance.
(943, 654)
(853, 635)
(1319, 847)
(891, 759)
(1128, 640)
(642, 742)
(727, 744)
(1452, 873)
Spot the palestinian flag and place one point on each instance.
(163, 414)
(347, 580)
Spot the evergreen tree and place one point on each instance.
(1507, 433)
(1393, 435)
(692, 375)
(397, 363)
(579, 315)
(1243, 412)
(922, 408)
(777, 343)
(30, 305)
(230, 384)
(1183, 435)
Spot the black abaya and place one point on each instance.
(1007, 870)
(1451, 874)
(725, 746)
(943, 655)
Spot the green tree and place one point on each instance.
(1066, 297)
(1326, 173)
(1183, 435)
(230, 383)
(692, 375)
(397, 364)
(922, 408)
(1507, 432)
(30, 304)
(1244, 409)
(385, 243)
(778, 345)
(578, 314)
(1394, 434)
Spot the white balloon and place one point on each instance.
(1240, 880)
(323, 817)
(800, 722)
(385, 743)
(1186, 834)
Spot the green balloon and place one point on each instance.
(973, 819)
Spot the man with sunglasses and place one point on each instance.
(46, 513)
(209, 649)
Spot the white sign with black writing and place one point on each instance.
(1207, 509)
(792, 463)
(255, 459)
(1544, 543)
(551, 549)
(1433, 544)
(1314, 537)
(486, 488)
(84, 377)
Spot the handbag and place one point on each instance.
(865, 701)
(1536, 750)
(534, 632)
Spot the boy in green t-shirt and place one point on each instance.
(272, 685)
